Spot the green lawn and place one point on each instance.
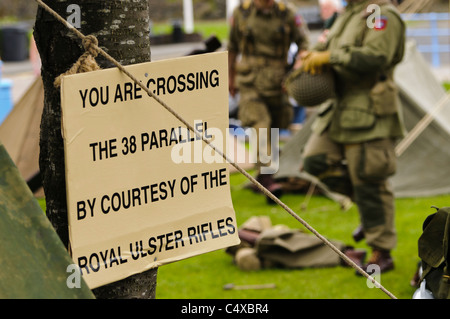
(204, 276)
(447, 86)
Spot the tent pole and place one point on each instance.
(188, 13)
(420, 127)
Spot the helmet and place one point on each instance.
(310, 89)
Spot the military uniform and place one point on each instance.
(352, 147)
(263, 40)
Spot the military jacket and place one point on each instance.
(266, 35)
(365, 47)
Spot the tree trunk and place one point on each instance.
(122, 30)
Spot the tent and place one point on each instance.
(423, 162)
(33, 259)
(20, 131)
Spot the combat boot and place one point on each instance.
(382, 258)
(272, 186)
(355, 255)
(358, 234)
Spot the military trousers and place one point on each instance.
(263, 113)
(360, 171)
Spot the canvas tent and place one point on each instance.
(423, 167)
(19, 133)
(34, 262)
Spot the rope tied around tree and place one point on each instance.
(264, 190)
(86, 62)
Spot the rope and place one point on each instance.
(86, 62)
(230, 161)
(420, 127)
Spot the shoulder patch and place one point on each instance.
(380, 23)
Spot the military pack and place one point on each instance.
(434, 253)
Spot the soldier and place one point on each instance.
(261, 34)
(352, 145)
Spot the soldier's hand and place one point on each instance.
(315, 61)
(299, 59)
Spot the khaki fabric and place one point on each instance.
(20, 131)
(363, 59)
(280, 246)
(294, 249)
(363, 170)
(421, 166)
(268, 35)
(262, 41)
(34, 262)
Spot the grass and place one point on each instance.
(203, 276)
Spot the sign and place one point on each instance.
(134, 201)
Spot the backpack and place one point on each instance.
(434, 253)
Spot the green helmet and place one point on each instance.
(308, 89)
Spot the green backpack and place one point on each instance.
(434, 253)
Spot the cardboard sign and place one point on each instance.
(142, 190)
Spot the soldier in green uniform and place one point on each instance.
(352, 145)
(261, 34)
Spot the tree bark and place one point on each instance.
(122, 30)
